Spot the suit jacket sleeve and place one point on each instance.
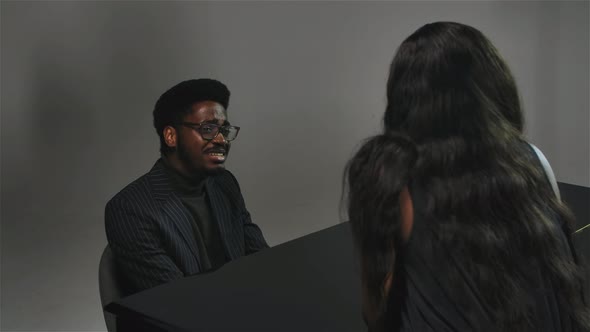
(253, 239)
(137, 245)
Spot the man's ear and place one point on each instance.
(170, 136)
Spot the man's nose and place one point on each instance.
(219, 138)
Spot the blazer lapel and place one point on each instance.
(177, 214)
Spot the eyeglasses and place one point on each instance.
(210, 130)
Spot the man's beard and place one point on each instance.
(185, 157)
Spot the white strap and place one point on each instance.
(548, 170)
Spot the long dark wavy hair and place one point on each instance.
(375, 177)
(452, 96)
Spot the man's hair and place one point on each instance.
(453, 96)
(174, 104)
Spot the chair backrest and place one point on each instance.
(110, 284)
(548, 170)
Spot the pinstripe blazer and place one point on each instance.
(149, 229)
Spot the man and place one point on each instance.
(187, 214)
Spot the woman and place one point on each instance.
(456, 224)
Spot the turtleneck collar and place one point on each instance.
(184, 184)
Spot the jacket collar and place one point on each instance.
(160, 181)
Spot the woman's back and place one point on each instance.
(460, 267)
(438, 294)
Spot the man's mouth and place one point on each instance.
(217, 155)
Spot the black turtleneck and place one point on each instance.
(193, 195)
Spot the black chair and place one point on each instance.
(110, 284)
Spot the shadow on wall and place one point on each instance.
(83, 133)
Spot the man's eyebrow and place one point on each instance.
(214, 121)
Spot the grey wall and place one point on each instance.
(79, 80)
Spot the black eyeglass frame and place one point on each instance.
(223, 129)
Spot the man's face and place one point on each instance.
(196, 153)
